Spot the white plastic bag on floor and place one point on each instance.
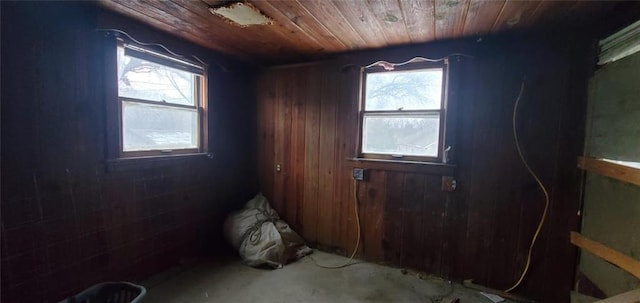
(261, 237)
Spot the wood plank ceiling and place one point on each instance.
(307, 29)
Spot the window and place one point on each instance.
(402, 112)
(161, 103)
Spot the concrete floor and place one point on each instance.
(302, 281)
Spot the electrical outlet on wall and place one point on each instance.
(358, 174)
(449, 183)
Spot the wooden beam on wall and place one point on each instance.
(610, 169)
(614, 257)
(627, 297)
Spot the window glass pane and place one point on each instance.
(141, 79)
(408, 135)
(151, 127)
(409, 90)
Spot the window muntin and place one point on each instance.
(402, 115)
(160, 102)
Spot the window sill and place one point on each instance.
(430, 168)
(134, 163)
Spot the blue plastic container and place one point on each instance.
(110, 292)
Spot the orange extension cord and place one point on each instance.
(355, 250)
(544, 190)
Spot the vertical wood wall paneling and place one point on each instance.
(482, 230)
(510, 176)
(372, 212)
(462, 75)
(266, 137)
(483, 160)
(70, 218)
(348, 113)
(312, 155)
(327, 160)
(567, 180)
(434, 204)
(281, 139)
(392, 241)
(539, 143)
(569, 107)
(339, 171)
(412, 210)
(294, 184)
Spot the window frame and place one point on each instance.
(442, 112)
(115, 103)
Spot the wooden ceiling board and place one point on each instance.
(214, 3)
(481, 16)
(363, 21)
(178, 28)
(419, 18)
(544, 5)
(168, 16)
(388, 14)
(307, 29)
(253, 41)
(306, 22)
(450, 17)
(334, 22)
(515, 14)
(290, 27)
(273, 35)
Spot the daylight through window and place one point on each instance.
(160, 103)
(402, 112)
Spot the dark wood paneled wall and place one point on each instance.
(307, 124)
(67, 222)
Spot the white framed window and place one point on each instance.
(161, 103)
(403, 112)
